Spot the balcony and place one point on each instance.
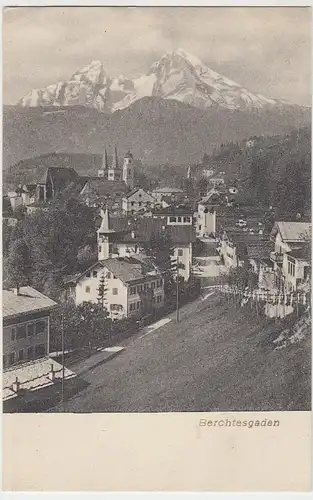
(277, 257)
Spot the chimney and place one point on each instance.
(16, 385)
(51, 373)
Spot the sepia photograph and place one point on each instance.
(156, 214)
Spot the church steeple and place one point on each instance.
(128, 170)
(103, 235)
(112, 172)
(105, 164)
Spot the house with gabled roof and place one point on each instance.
(26, 327)
(291, 257)
(53, 180)
(134, 286)
(138, 200)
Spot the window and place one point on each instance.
(153, 300)
(87, 289)
(172, 219)
(21, 354)
(132, 203)
(40, 326)
(140, 203)
(13, 334)
(138, 305)
(40, 350)
(180, 252)
(153, 285)
(21, 332)
(94, 274)
(30, 329)
(139, 195)
(178, 219)
(108, 276)
(12, 358)
(291, 268)
(30, 353)
(186, 219)
(88, 274)
(114, 291)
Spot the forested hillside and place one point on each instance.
(270, 170)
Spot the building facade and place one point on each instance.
(138, 200)
(291, 254)
(26, 325)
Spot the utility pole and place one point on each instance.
(177, 291)
(63, 367)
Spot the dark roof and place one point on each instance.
(300, 254)
(259, 250)
(133, 192)
(59, 176)
(143, 229)
(237, 235)
(128, 269)
(98, 186)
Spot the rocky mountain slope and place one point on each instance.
(177, 75)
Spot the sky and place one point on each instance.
(267, 49)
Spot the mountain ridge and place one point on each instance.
(177, 75)
(157, 131)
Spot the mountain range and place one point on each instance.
(174, 114)
(177, 75)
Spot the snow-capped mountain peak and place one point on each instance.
(177, 75)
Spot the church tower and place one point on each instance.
(104, 236)
(113, 170)
(128, 170)
(105, 164)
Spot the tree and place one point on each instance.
(18, 264)
(6, 237)
(242, 279)
(102, 291)
(161, 251)
(85, 325)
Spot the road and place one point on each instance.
(212, 360)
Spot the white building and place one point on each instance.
(167, 194)
(290, 258)
(137, 200)
(133, 284)
(206, 215)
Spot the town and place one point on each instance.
(129, 262)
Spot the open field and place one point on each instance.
(215, 359)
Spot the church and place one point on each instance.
(113, 182)
(115, 172)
